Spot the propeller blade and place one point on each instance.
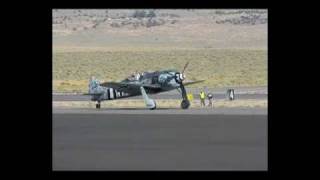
(185, 67)
(192, 82)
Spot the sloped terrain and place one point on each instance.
(226, 47)
(159, 28)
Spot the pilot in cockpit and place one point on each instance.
(135, 76)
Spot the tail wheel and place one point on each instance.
(185, 104)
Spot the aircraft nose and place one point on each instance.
(180, 77)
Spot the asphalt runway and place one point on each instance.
(218, 93)
(122, 139)
(79, 97)
(179, 111)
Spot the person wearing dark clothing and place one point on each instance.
(210, 98)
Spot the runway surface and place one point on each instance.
(166, 139)
(79, 97)
(218, 93)
(190, 111)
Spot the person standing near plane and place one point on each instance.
(210, 98)
(202, 99)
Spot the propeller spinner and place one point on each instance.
(180, 77)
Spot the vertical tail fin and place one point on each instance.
(93, 85)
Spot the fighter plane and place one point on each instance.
(142, 84)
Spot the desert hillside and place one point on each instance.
(225, 47)
(160, 28)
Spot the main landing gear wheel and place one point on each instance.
(98, 106)
(155, 107)
(185, 104)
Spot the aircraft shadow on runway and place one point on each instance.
(113, 109)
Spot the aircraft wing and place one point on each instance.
(91, 94)
(114, 85)
(193, 82)
(128, 87)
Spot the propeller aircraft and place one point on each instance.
(142, 84)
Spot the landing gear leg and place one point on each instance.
(185, 102)
(98, 105)
(150, 103)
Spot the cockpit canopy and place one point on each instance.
(156, 76)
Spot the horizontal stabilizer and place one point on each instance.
(193, 82)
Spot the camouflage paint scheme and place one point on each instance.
(151, 82)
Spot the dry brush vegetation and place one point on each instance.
(224, 47)
(220, 68)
